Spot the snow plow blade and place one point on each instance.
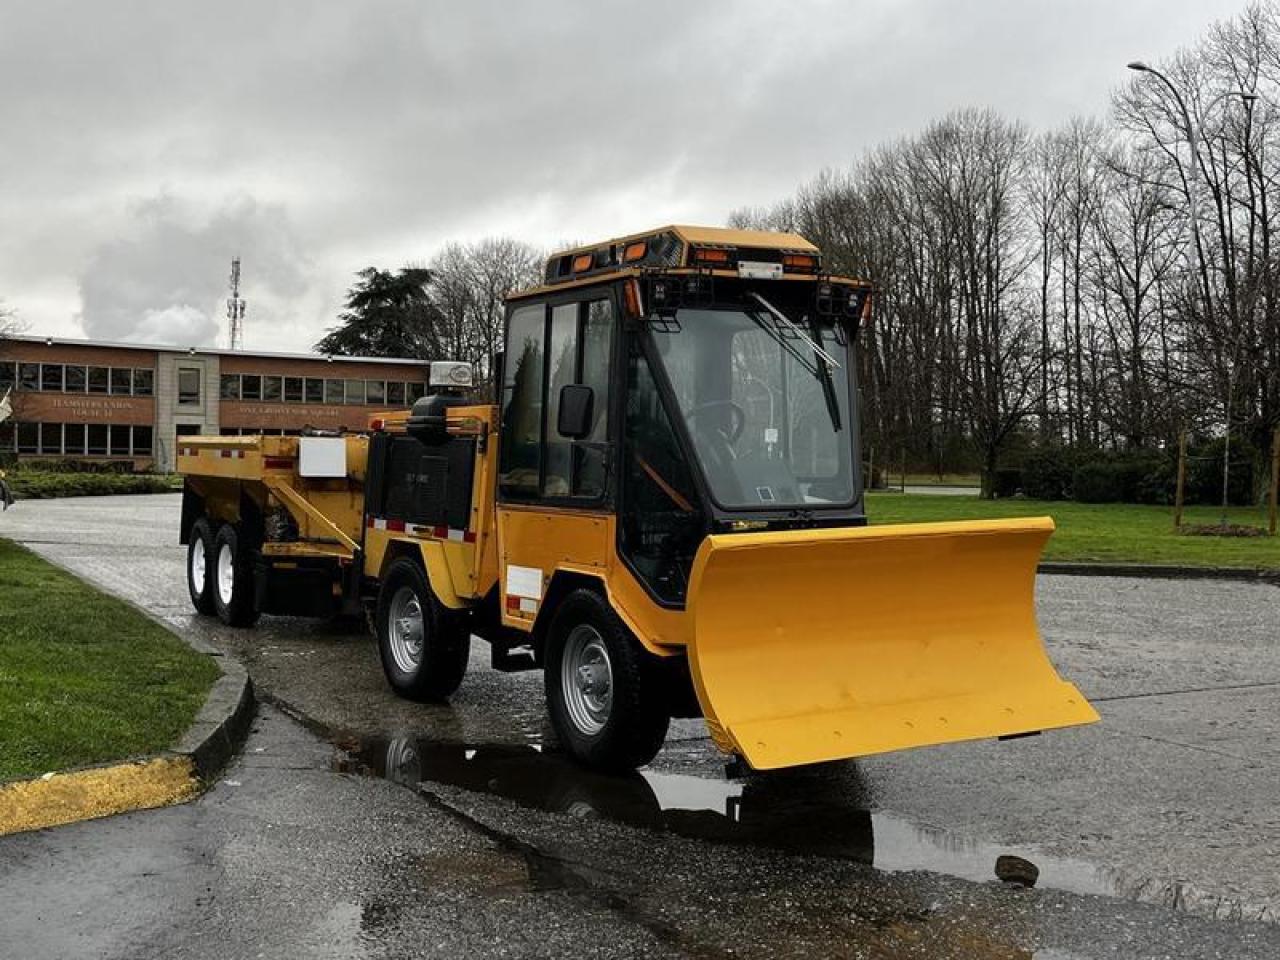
(829, 644)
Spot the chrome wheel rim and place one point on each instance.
(405, 629)
(198, 565)
(226, 574)
(586, 679)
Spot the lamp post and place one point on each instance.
(1193, 138)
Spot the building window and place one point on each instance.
(121, 381)
(189, 386)
(51, 438)
(28, 376)
(74, 381)
(51, 377)
(142, 441)
(8, 376)
(251, 387)
(314, 392)
(355, 391)
(143, 382)
(97, 442)
(414, 392)
(119, 440)
(187, 430)
(98, 379)
(375, 391)
(333, 392)
(28, 437)
(272, 388)
(292, 389)
(230, 386)
(73, 438)
(395, 393)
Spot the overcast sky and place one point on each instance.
(142, 145)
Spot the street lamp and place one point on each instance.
(1193, 137)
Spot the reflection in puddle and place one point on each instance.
(819, 810)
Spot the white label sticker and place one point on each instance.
(770, 434)
(758, 270)
(524, 581)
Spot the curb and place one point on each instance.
(170, 776)
(221, 726)
(1155, 571)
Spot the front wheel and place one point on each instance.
(604, 691)
(424, 646)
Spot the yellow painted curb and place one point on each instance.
(59, 798)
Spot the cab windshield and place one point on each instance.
(765, 399)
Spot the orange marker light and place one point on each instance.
(582, 262)
(705, 255)
(635, 251)
(799, 263)
(631, 299)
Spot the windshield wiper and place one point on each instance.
(822, 361)
(813, 345)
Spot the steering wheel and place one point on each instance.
(739, 416)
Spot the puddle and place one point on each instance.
(817, 810)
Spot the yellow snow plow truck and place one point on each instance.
(663, 512)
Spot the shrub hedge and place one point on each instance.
(43, 484)
(1145, 476)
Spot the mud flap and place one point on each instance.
(828, 644)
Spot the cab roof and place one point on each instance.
(677, 246)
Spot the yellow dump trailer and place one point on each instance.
(663, 512)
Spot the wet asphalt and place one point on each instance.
(355, 824)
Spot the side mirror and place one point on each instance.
(576, 402)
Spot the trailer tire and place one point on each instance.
(200, 566)
(232, 577)
(605, 693)
(424, 646)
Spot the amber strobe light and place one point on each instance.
(582, 262)
(635, 251)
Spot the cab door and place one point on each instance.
(555, 492)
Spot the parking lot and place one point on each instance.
(1155, 831)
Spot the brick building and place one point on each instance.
(84, 400)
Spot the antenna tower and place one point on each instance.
(235, 309)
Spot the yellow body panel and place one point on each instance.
(827, 644)
(546, 540)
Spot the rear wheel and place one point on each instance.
(199, 566)
(604, 691)
(423, 644)
(231, 573)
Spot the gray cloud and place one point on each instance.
(377, 132)
(165, 279)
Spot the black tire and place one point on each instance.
(238, 609)
(634, 725)
(437, 669)
(200, 549)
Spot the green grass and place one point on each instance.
(1112, 532)
(84, 677)
(45, 484)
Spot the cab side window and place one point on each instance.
(520, 465)
(581, 345)
(572, 343)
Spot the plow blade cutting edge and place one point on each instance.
(829, 644)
